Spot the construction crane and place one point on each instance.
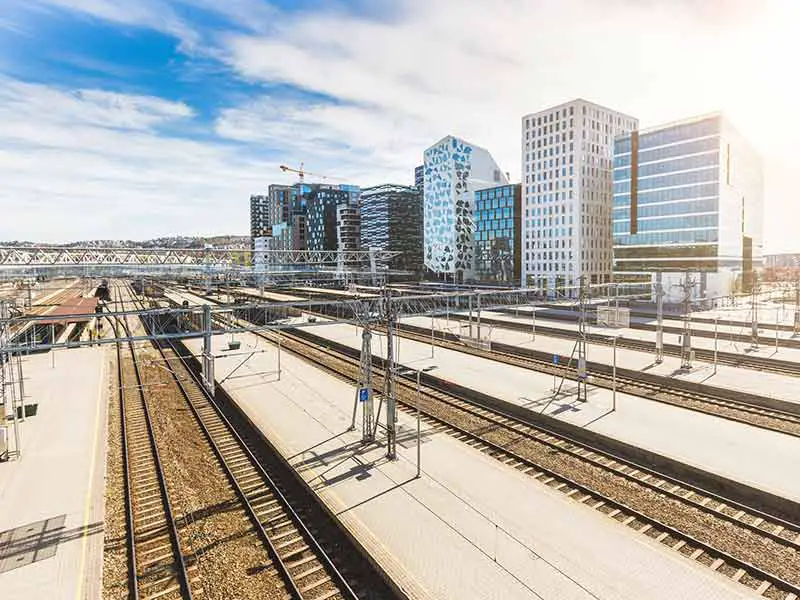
(301, 173)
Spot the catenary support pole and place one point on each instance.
(614, 377)
(716, 326)
(478, 314)
(419, 429)
(659, 319)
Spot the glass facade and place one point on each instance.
(321, 216)
(667, 193)
(391, 219)
(303, 216)
(498, 233)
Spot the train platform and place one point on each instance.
(470, 527)
(269, 295)
(670, 321)
(51, 525)
(179, 297)
(753, 456)
(771, 385)
(724, 344)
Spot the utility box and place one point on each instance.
(234, 345)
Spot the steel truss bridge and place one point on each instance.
(265, 316)
(57, 256)
(205, 321)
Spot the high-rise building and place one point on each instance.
(391, 220)
(688, 199)
(287, 209)
(260, 224)
(419, 176)
(567, 155)
(348, 226)
(322, 202)
(454, 170)
(498, 234)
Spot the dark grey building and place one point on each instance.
(391, 219)
(323, 202)
(419, 177)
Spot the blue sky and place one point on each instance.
(141, 118)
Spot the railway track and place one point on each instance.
(157, 568)
(705, 399)
(298, 537)
(646, 314)
(755, 548)
(759, 363)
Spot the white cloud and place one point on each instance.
(84, 107)
(361, 144)
(84, 164)
(468, 68)
(152, 14)
(475, 68)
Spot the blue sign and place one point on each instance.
(363, 394)
(555, 359)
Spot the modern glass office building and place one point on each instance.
(287, 210)
(498, 234)
(321, 219)
(391, 219)
(688, 198)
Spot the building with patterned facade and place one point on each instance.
(391, 219)
(567, 154)
(498, 234)
(454, 170)
(688, 199)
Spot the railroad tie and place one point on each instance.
(738, 575)
(763, 588)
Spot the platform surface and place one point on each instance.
(724, 341)
(52, 496)
(754, 456)
(772, 385)
(470, 527)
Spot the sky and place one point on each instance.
(133, 119)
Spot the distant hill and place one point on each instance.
(218, 241)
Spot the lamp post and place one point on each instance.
(407, 371)
(613, 340)
(614, 377)
(716, 323)
(432, 339)
(777, 326)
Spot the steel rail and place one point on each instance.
(778, 366)
(180, 568)
(293, 580)
(565, 440)
(625, 384)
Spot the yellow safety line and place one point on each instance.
(88, 500)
